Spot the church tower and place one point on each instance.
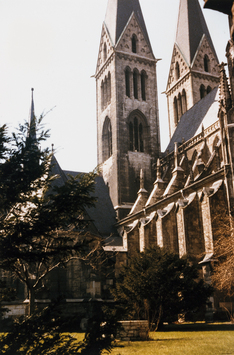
(194, 68)
(127, 105)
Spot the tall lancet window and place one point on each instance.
(135, 83)
(102, 95)
(136, 135)
(177, 71)
(202, 91)
(184, 101)
(106, 139)
(127, 81)
(175, 110)
(134, 44)
(104, 52)
(206, 63)
(143, 85)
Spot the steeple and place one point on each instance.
(191, 28)
(32, 123)
(117, 16)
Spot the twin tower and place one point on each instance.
(128, 136)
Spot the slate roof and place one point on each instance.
(190, 29)
(204, 112)
(117, 15)
(103, 214)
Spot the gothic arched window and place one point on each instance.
(184, 101)
(202, 91)
(109, 88)
(136, 135)
(134, 44)
(102, 95)
(175, 110)
(106, 139)
(206, 63)
(177, 71)
(135, 83)
(143, 85)
(127, 82)
(179, 106)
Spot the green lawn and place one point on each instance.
(193, 339)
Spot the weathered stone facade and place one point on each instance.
(132, 134)
(194, 177)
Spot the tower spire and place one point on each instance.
(191, 28)
(32, 120)
(117, 15)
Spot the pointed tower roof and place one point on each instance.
(117, 15)
(190, 29)
(32, 123)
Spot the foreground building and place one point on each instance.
(147, 197)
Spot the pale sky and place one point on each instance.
(52, 46)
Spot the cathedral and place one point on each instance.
(147, 197)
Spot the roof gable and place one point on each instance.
(198, 62)
(105, 41)
(125, 40)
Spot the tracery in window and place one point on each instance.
(106, 139)
(136, 134)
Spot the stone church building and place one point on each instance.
(146, 197)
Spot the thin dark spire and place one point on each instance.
(32, 120)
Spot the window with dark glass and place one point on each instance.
(184, 102)
(175, 110)
(209, 89)
(136, 136)
(202, 91)
(143, 85)
(106, 139)
(134, 44)
(104, 52)
(135, 84)
(177, 71)
(127, 82)
(206, 63)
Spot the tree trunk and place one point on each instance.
(159, 316)
(31, 292)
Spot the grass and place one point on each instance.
(191, 339)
